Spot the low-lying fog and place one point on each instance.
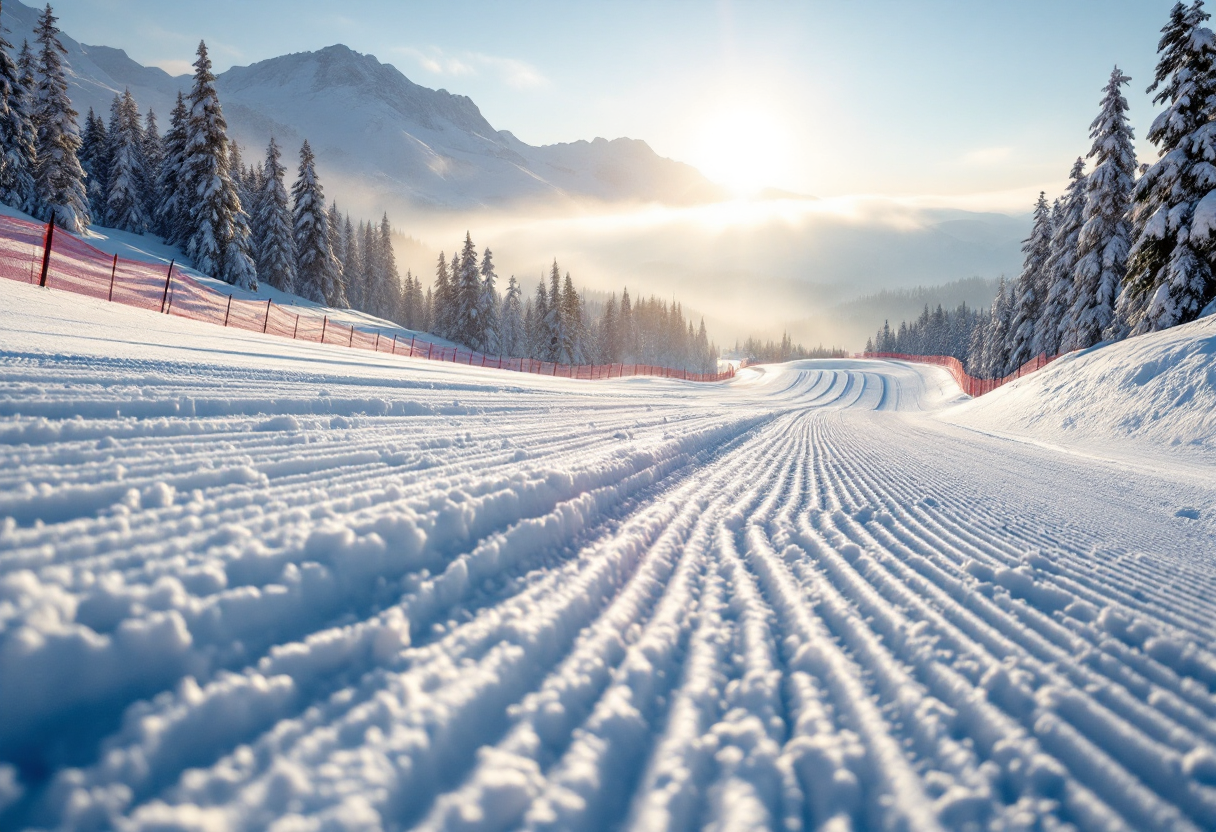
(815, 267)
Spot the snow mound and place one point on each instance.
(1155, 392)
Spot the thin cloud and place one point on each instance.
(987, 156)
(510, 71)
(175, 67)
(515, 73)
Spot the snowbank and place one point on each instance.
(1151, 394)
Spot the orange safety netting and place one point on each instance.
(75, 266)
(971, 385)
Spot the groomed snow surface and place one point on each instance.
(253, 584)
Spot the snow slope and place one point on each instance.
(1154, 394)
(252, 584)
(149, 248)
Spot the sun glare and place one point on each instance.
(744, 149)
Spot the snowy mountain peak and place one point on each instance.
(380, 136)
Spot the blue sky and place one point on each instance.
(973, 103)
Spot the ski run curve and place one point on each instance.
(309, 590)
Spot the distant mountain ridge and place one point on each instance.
(375, 130)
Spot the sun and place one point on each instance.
(744, 149)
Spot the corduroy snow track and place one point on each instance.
(298, 592)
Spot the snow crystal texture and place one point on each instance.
(250, 584)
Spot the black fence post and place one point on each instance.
(113, 271)
(227, 310)
(168, 277)
(46, 250)
(266, 323)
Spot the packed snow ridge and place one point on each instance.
(251, 584)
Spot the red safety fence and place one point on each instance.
(47, 256)
(971, 385)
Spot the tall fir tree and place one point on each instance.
(316, 269)
(127, 179)
(58, 177)
(218, 242)
(440, 318)
(468, 325)
(996, 339)
(95, 162)
(352, 265)
(409, 308)
(333, 224)
(387, 284)
(358, 267)
(171, 218)
(154, 155)
(513, 338)
(17, 137)
(1169, 273)
(274, 234)
(487, 307)
(627, 335)
(1061, 263)
(572, 317)
(555, 317)
(1031, 287)
(538, 324)
(421, 310)
(1105, 237)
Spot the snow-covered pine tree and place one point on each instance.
(537, 324)
(171, 218)
(58, 177)
(219, 228)
(1169, 272)
(274, 236)
(707, 354)
(1105, 237)
(352, 265)
(468, 326)
(996, 339)
(628, 330)
(513, 337)
(422, 306)
(487, 307)
(573, 337)
(555, 317)
(440, 300)
(333, 227)
(356, 269)
(1060, 264)
(387, 285)
(126, 195)
(316, 269)
(17, 136)
(426, 319)
(1031, 286)
(409, 307)
(154, 156)
(610, 331)
(236, 170)
(95, 162)
(977, 344)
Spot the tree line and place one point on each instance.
(756, 351)
(240, 223)
(554, 323)
(1115, 255)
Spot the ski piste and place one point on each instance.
(242, 586)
